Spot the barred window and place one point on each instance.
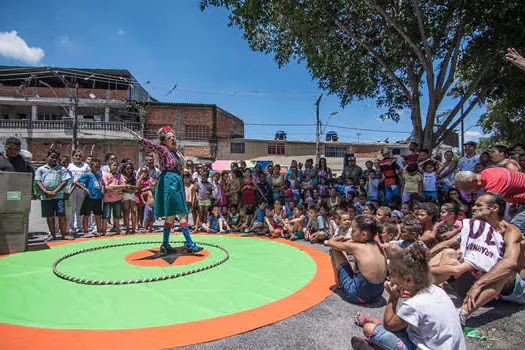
(334, 151)
(276, 148)
(237, 147)
(197, 132)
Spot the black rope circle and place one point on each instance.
(143, 280)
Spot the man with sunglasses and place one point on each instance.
(11, 160)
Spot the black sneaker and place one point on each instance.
(166, 248)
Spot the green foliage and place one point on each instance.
(504, 122)
(392, 51)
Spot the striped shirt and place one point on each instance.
(510, 184)
(167, 158)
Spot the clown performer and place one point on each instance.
(170, 196)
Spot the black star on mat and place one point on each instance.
(170, 257)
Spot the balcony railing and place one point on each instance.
(67, 125)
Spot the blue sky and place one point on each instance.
(173, 42)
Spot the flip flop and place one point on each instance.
(361, 319)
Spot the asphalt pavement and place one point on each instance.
(330, 324)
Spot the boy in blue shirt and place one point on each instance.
(216, 222)
(257, 225)
(91, 183)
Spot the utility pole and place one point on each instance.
(75, 119)
(462, 133)
(318, 121)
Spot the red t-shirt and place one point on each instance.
(510, 184)
(389, 169)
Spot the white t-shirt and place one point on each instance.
(340, 231)
(429, 181)
(400, 161)
(78, 170)
(433, 320)
(468, 164)
(481, 246)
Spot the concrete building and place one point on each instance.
(38, 105)
(284, 151)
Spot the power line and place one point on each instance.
(375, 130)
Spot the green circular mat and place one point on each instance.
(258, 272)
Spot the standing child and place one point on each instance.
(372, 186)
(204, 191)
(430, 180)
(143, 183)
(248, 187)
(191, 201)
(129, 206)
(223, 185)
(148, 197)
(426, 320)
(113, 183)
(91, 184)
(364, 283)
(412, 182)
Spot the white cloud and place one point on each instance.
(121, 32)
(472, 135)
(64, 40)
(13, 46)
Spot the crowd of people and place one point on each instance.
(399, 224)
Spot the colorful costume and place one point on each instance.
(170, 195)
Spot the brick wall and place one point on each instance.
(228, 125)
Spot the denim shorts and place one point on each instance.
(518, 294)
(116, 207)
(53, 207)
(391, 340)
(356, 287)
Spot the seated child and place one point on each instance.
(245, 218)
(389, 232)
(234, 218)
(216, 222)
(257, 224)
(275, 231)
(295, 226)
(345, 228)
(316, 230)
(364, 283)
(335, 221)
(426, 320)
(411, 228)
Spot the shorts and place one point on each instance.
(299, 234)
(149, 215)
(90, 205)
(518, 294)
(391, 340)
(53, 207)
(205, 203)
(433, 194)
(356, 287)
(128, 196)
(116, 207)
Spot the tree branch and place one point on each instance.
(389, 20)
(422, 31)
(466, 96)
(453, 49)
(440, 137)
(349, 35)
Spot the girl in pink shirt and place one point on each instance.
(113, 184)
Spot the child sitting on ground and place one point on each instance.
(389, 232)
(234, 218)
(411, 228)
(316, 230)
(257, 224)
(335, 222)
(426, 320)
(364, 283)
(216, 222)
(295, 225)
(345, 228)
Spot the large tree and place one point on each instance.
(405, 54)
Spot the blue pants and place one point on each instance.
(519, 219)
(391, 191)
(391, 341)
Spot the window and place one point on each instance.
(334, 151)
(197, 132)
(48, 117)
(237, 147)
(275, 148)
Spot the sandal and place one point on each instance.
(361, 319)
